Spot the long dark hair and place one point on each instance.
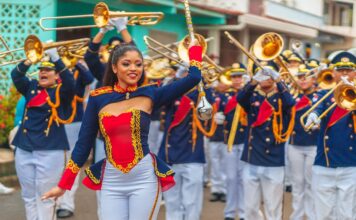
(110, 78)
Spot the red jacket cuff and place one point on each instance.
(195, 53)
(67, 179)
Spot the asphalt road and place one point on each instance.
(11, 206)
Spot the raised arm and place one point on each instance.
(85, 75)
(19, 78)
(287, 99)
(67, 91)
(176, 89)
(243, 97)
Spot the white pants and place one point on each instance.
(263, 184)
(287, 168)
(217, 151)
(207, 165)
(235, 193)
(131, 196)
(333, 192)
(301, 161)
(185, 199)
(154, 137)
(67, 200)
(38, 172)
(99, 155)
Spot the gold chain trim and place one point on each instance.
(136, 140)
(196, 64)
(91, 176)
(73, 166)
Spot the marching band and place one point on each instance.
(277, 118)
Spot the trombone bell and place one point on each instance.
(184, 46)
(345, 97)
(268, 46)
(325, 79)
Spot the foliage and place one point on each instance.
(7, 113)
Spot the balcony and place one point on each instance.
(291, 14)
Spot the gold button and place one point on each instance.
(269, 119)
(49, 110)
(163, 113)
(274, 100)
(268, 140)
(254, 94)
(350, 125)
(250, 147)
(351, 136)
(251, 137)
(168, 145)
(326, 137)
(26, 118)
(267, 128)
(241, 130)
(294, 132)
(24, 131)
(350, 148)
(32, 91)
(46, 119)
(267, 151)
(327, 149)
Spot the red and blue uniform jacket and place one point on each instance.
(300, 137)
(229, 112)
(336, 145)
(178, 144)
(84, 78)
(36, 131)
(125, 135)
(261, 147)
(220, 101)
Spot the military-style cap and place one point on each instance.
(286, 54)
(267, 64)
(47, 65)
(237, 69)
(313, 63)
(343, 60)
(303, 69)
(295, 57)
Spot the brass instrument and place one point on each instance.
(8, 53)
(34, 48)
(325, 79)
(205, 110)
(71, 57)
(345, 97)
(159, 69)
(102, 14)
(210, 70)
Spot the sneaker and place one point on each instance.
(5, 190)
(228, 218)
(222, 197)
(215, 197)
(64, 213)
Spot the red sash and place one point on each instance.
(303, 102)
(231, 105)
(182, 111)
(337, 114)
(38, 100)
(265, 112)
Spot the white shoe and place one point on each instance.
(5, 190)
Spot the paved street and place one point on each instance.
(11, 207)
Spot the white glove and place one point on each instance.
(105, 29)
(53, 54)
(181, 70)
(313, 118)
(219, 118)
(270, 72)
(120, 23)
(246, 78)
(346, 81)
(260, 76)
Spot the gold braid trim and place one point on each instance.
(277, 125)
(91, 176)
(73, 166)
(196, 64)
(102, 90)
(159, 174)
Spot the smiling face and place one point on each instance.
(350, 73)
(47, 77)
(128, 69)
(305, 83)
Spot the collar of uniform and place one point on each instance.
(262, 93)
(119, 89)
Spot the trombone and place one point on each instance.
(102, 14)
(210, 70)
(34, 48)
(345, 97)
(9, 53)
